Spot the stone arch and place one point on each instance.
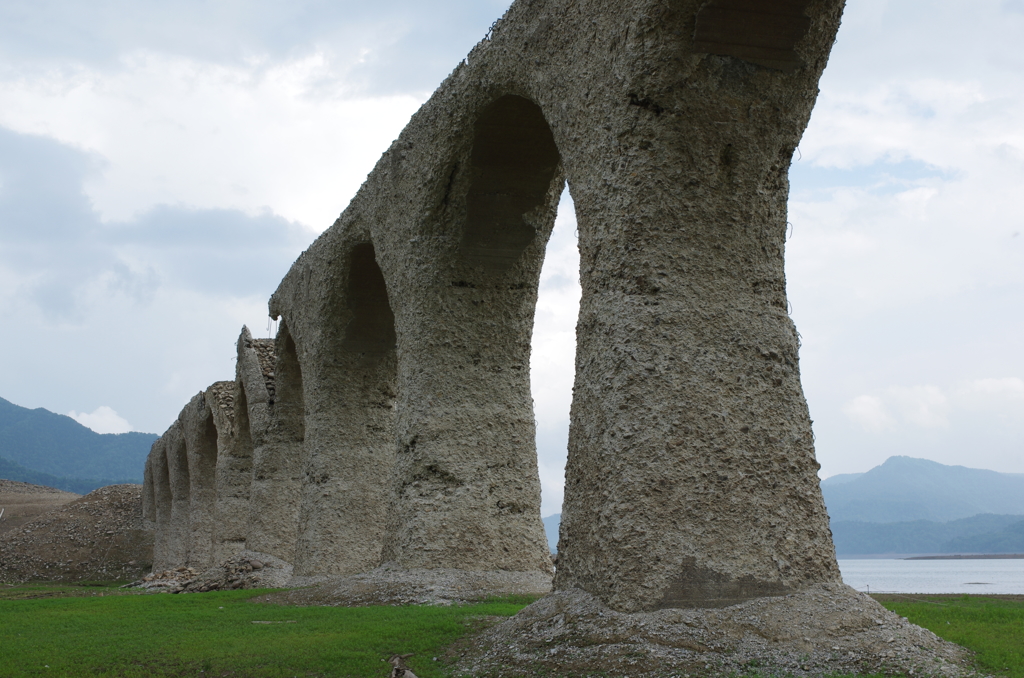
(179, 528)
(277, 433)
(348, 451)
(162, 503)
(200, 433)
(234, 469)
(466, 489)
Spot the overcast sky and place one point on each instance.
(163, 163)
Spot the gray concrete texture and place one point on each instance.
(391, 423)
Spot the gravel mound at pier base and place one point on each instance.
(824, 629)
(393, 586)
(245, 570)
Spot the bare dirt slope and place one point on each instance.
(96, 537)
(24, 502)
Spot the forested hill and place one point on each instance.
(908, 489)
(54, 444)
(916, 506)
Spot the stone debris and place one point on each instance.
(248, 569)
(824, 629)
(100, 536)
(168, 581)
(223, 394)
(245, 570)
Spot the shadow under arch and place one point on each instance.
(162, 503)
(371, 329)
(234, 476)
(349, 448)
(512, 165)
(466, 490)
(200, 435)
(278, 432)
(180, 527)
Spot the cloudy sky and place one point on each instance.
(163, 163)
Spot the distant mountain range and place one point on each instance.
(41, 447)
(11, 471)
(907, 489)
(915, 506)
(903, 506)
(984, 533)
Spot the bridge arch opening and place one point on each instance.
(371, 329)
(201, 444)
(513, 164)
(348, 449)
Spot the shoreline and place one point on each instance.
(932, 556)
(972, 556)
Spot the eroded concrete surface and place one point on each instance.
(390, 423)
(389, 427)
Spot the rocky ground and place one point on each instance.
(391, 586)
(246, 570)
(23, 502)
(96, 537)
(826, 629)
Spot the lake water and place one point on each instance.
(934, 576)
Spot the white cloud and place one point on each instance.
(869, 412)
(1001, 399)
(552, 362)
(974, 422)
(1010, 388)
(928, 406)
(924, 406)
(173, 130)
(903, 269)
(102, 420)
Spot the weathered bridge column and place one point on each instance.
(234, 468)
(348, 359)
(466, 488)
(148, 494)
(273, 389)
(178, 523)
(162, 501)
(200, 435)
(691, 479)
(456, 217)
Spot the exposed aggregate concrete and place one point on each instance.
(392, 442)
(825, 629)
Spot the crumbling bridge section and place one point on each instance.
(391, 422)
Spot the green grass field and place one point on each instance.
(94, 632)
(992, 626)
(103, 632)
